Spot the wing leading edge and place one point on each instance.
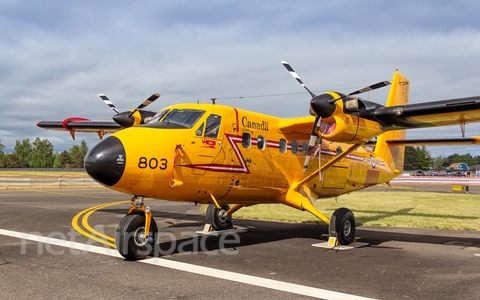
(474, 140)
(81, 125)
(429, 114)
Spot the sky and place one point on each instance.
(57, 56)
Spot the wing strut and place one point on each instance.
(298, 185)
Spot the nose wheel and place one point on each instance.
(130, 238)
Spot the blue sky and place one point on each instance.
(57, 56)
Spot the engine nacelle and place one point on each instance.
(346, 128)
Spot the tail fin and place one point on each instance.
(394, 155)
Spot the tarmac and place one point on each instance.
(43, 255)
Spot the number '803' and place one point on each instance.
(152, 163)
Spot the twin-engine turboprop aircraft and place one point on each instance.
(221, 155)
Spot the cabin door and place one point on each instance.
(207, 144)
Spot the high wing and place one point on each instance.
(73, 125)
(459, 111)
(429, 114)
(474, 140)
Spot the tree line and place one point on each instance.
(39, 154)
(419, 158)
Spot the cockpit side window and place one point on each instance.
(213, 126)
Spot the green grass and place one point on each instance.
(401, 209)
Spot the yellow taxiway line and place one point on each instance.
(95, 234)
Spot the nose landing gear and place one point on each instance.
(136, 234)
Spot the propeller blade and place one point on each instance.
(370, 88)
(108, 102)
(313, 139)
(294, 74)
(365, 89)
(145, 103)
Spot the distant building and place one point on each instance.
(459, 166)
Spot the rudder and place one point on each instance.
(394, 155)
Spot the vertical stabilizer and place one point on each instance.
(394, 155)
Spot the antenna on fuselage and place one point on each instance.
(213, 100)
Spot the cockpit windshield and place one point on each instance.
(158, 116)
(185, 117)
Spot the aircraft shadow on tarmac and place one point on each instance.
(262, 232)
(403, 212)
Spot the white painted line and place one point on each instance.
(216, 273)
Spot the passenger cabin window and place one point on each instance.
(199, 131)
(261, 142)
(305, 148)
(338, 152)
(294, 147)
(246, 140)
(282, 146)
(184, 117)
(213, 126)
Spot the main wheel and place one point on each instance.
(215, 217)
(344, 225)
(130, 236)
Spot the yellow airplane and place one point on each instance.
(221, 155)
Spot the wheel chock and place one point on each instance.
(332, 241)
(327, 245)
(208, 230)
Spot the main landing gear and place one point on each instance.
(136, 234)
(341, 227)
(218, 217)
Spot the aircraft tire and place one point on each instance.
(344, 225)
(213, 217)
(127, 239)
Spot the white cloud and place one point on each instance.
(57, 57)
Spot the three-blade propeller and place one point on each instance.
(327, 105)
(126, 119)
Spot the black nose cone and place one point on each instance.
(106, 161)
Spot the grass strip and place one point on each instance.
(406, 209)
